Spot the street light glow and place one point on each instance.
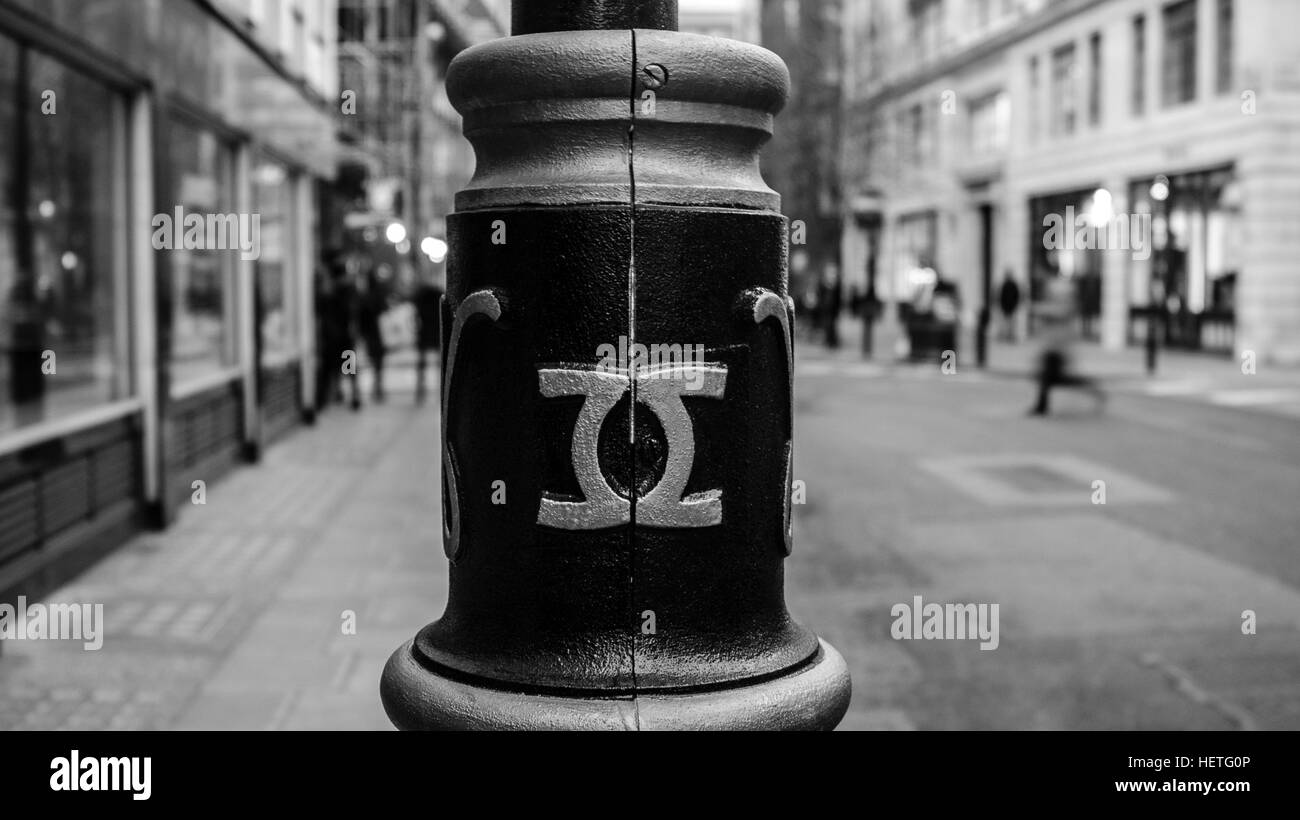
(434, 248)
(1160, 189)
(1102, 209)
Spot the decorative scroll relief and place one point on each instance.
(763, 305)
(662, 390)
(480, 303)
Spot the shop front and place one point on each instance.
(1056, 257)
(1189, 283)
(136, 356)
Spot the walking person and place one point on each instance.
(30, 308)
(830, 301)
(1055, 368)
(371, 306)
(336, 312)
(1009, 302)
(427, 300)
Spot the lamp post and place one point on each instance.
(617, 393)
(1157, 282)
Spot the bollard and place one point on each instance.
(617, 395)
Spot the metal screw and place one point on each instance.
(656, 76)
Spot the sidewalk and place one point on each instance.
(234, 618)
(1017, 360)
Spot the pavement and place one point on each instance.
(1126, 614)
(240, 615)
(275, 604)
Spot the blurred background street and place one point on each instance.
(1118, 616)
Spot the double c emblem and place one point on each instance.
(661, 389)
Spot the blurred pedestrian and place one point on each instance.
(336, 312)
(30, 309)
(870, 313)
(371, 306)
(830, 302)
(1009, 301)
(1055, 368)
(428, 308)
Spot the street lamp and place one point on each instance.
(395, 233)
(1155, 282)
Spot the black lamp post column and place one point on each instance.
(617, 395)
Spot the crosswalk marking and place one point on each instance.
(1181, 387)
(816, 368)
(1253, 398)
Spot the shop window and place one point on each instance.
(201, 279)
(1062, 266)
(1197, 240)
(272, 201)
(60, 235)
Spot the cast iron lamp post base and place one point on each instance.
(811, 697)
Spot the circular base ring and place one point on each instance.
(813, 697)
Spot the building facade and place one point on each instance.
(402, 154)
(158, 234)
(1162, 133)
(733, 19)
(802, 162)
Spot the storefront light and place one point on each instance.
(434, 248)
(269, 174)
(1160, 189)
(1102, 209)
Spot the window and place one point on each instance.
(202, 281)
(1034, 114)
(1094, 79)
(990, 121)
(915, 133)
(916, 246)
(1064, 83)
(925, 21)
(1139, 99)
(60, 236)
(1198, 230)
(1224, 54)
(1178, 71)
(272, 201)
(271, 24)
